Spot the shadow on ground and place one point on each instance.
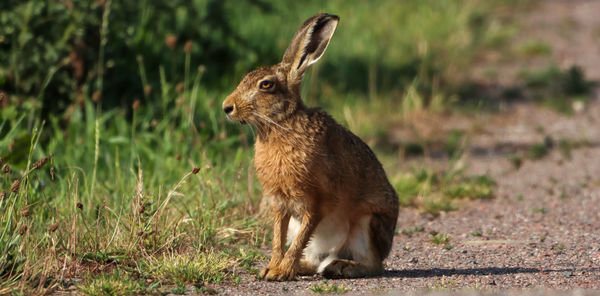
(436, 272)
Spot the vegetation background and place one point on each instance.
(120, 174)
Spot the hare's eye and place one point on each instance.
(266, 84)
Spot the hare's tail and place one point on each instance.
(382, 228)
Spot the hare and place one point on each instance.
(329, 194)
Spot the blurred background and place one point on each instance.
(106, 106)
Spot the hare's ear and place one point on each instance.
(309, 44)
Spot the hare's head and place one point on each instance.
(272, 94)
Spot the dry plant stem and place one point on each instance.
(154, 218)
(103, 41)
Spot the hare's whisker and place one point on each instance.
(269, 120)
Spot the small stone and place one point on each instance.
(464, 251)
(568, 273)
(414, 260)
(493, 283)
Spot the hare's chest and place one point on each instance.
(283, 169)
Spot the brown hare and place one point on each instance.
(329, 194)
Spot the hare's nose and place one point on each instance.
(228, 109)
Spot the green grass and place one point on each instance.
(187, 269)
(410, 231)
(434, 192)
(115, 283)
(327, 288)
(558, 89)
(476, 233)
(440, 238)
(534, 48)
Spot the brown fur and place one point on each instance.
(310, 166)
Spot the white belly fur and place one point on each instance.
(332, 233)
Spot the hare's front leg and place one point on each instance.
(289, 266)
(281, 220)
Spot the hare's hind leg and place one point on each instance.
(306, 268)
(344, 268)
(359, 257)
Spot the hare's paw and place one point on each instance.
(278, 273)
(341, 268)
(264, 271)
(306, 268)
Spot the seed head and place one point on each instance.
(52, 174)
(53, 227)
(40, 163)
(1, 160)
(195, 170)
(180, 87)
(3, 100)
(171, 41)
(135, 105)
(25, 212)
(23, 230)
(6, 169)
(187, 48)
(178, 156)
(80, 206)
(96, 96)
(141, 209)
(201, 69)
(15, 186)
(3, 195)
(147, 89)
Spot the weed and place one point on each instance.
(538, 150)
(200, 288)
(516, 161)
(558, 89)
(440, 238)
(563, 195)
(476, 233)
(434, 192)
(325, 288)
(565, 148)
(534, 48)
(248, 257)
(115, 283)
(454, 143)
(541, 210)
(179, 289)
(412, 230)
(204, 267)
(436, 205)
(480, 187)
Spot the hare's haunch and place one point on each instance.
(330, 196)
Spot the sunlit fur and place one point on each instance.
(324, 183)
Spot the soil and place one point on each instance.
(540, 235)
